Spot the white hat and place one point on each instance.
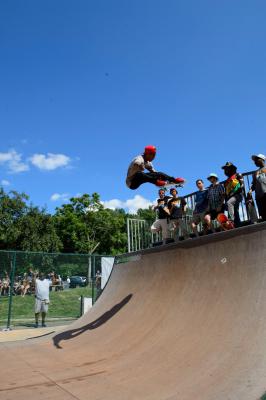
(261, 156)
(212, 175)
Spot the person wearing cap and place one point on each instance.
(259, 184)
(136, 174)
(215, 200)
(177, 207)
(161, 223)
(233, 191)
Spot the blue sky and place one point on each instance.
(85, 85)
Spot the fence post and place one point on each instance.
(13, 268)
(81, 305)
(93, 280)
(89, 270)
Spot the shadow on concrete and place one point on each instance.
(73, 333)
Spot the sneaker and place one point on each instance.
(179, 181)
(36, 325)
(160, 183)
(43, 325)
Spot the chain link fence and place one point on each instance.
(73, 277)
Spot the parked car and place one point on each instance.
(77, 281)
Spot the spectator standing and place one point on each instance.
(233, 191)
(161, 223)
(42, 287)
(201, 204)
(177, 208)
(259, 184)
(215, 200)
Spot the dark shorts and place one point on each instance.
(214, 213)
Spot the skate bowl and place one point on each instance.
(183, 321)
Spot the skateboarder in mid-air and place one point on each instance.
(136, 175)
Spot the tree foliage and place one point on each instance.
(81, 226)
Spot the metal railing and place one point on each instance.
(139, 233)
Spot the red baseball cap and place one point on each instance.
(150, 150)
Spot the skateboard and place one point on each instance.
(224, 222)
(169, 185)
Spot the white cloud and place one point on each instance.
(131, 205)
(12, 160)
(59, 197)
(4, 182)
(50, 161)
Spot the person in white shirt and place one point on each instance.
(136, 175)
(42, 291)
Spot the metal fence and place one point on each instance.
(140, 236)
(17, 285)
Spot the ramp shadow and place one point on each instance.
(73, 333)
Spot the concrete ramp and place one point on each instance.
(182, 322)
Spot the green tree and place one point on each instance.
(38, 232)
(12, 207)
(84, 223)
(72, 223)
(147, 213)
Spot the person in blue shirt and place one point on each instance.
(201, 204)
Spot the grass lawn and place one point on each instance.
(63, 304)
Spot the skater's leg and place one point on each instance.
(151, 177)
(144, 177)
(140, 178)
(164, 177)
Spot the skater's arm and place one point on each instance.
(149, 166)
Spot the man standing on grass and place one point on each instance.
(42, 291)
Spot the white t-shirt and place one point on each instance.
(42, 289)
(136, 165)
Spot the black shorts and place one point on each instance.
(214, 213)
